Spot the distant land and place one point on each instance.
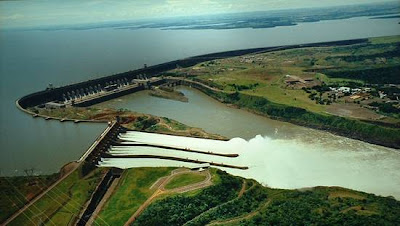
(262, 19)
(387, 17)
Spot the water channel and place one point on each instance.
(31, 59)
(278, 154)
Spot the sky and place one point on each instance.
(57, 12)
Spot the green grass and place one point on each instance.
(132, 191)
(63, 203)
(268, 70)
(16, 191)
(185, 179)
(387, 39)
(266, 206)
(339, 81)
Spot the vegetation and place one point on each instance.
(349, 127)
(133, 190)
(17, 191)
(265, 206)
(385, 107)
(328, 206)
(253, 199)
(185, 179)
(129, 119)
(382, 75)
(266, 20)
(168, 93)
(294, 85)
(62, 204)
(177, 210)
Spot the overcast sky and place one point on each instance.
(53, 12)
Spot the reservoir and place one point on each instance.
(31, 59)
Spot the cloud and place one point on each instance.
(48, 12)
(15, 16)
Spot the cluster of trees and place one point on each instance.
(316, 208)
(319, 100)
(362, 57)
(272, 207)
(382, 75)
(385, 107)
(145, 122)
(244, 87)
(391, 92)
(249, 202)
(377, 134)
(343, 126)
(180, 209)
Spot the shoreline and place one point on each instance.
(155, 71)
(211, 93)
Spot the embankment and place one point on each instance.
(355, 129)
(376, 134)
(106, 155)
(82, 88)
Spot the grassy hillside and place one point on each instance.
(133, 190)
(224, 204)
(17, 191)
(184, 179)
(62, 204)
(298, 86)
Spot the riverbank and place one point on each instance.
(168, 93)
(232, 200)
(331, 88)
(130, 120)
(367, 132)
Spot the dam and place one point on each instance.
(142, 145)
(269, 161)
(94, 91)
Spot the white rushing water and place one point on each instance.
(281, 163)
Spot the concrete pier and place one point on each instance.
(107, 155)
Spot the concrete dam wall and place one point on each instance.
(91, 87)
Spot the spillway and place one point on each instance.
(185, 151)
(278, 163)
(175, 141)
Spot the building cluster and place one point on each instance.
(295, 81)
(251, 59)
(72, 96)
(354, 93)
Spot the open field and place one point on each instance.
(133, 190)
(185, 179)
(352, 91)
(139, 187)
(283, 76)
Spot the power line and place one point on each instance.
(33, 205)
(30, 219)
(70, 199)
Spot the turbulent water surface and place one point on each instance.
(278, 154)
(30, 60)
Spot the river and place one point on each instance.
(278, 154)
(30, 60)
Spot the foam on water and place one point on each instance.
(287, 163)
